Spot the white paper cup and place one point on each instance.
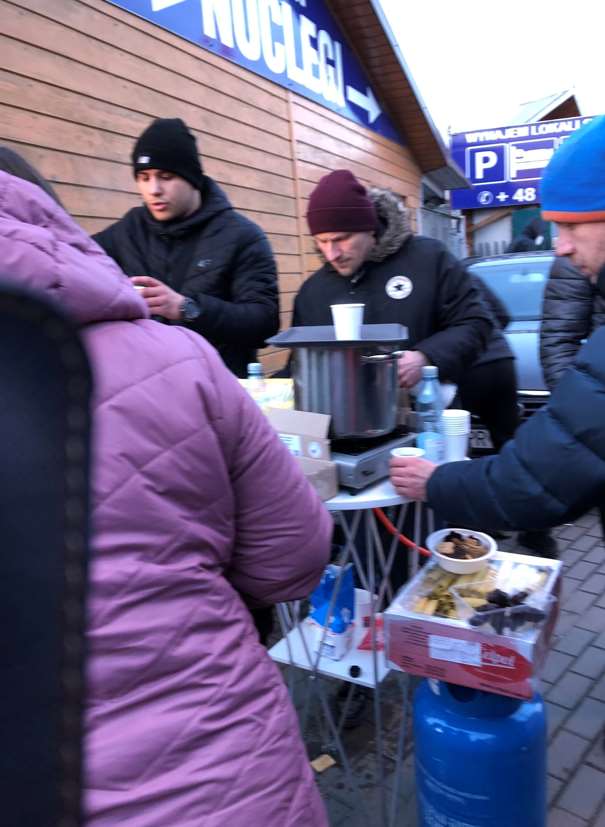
(407, 452)
(347, 319)
(456, 447)
(455, 421)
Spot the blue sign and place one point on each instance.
(295, 43)
(505, 165)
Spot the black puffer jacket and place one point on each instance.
(216, 256)
(409, 280)
(571, 310)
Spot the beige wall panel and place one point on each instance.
(34, 95)
(285, 244)
(138, 102)
(282, 224)
(80, 79)
(123, 55)
(255, 178)
(54, 133)
(67, 168)
(325, 154)
(326, 122)
(289, 268)
(289, 282)
(80, 201)
(286, 302)
(325, 130)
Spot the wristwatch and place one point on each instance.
(190, 309)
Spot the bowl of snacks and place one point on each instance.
(461, 550)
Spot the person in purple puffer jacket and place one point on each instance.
(198, 511)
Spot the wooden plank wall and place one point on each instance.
(80, 80)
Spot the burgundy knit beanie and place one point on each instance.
(340, 204)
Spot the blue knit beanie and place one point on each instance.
(573, 184)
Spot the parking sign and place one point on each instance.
(505, 165)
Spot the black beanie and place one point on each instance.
(167, 144)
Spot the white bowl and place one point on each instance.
(460, 566)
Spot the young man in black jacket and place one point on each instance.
(198, 262)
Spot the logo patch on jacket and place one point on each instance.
(203, 263)
(399, 287)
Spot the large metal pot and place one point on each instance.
(357, 386)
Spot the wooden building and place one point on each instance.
(80, 80)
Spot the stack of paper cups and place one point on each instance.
(456, 427)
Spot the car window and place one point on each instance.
(519, 284)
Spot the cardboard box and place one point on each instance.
(329, 644)
(452, 650)
(305, 434)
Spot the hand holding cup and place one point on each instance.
(410, 475)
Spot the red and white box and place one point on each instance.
(452, 650)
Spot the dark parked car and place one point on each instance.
(518, 279)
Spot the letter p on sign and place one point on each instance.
(484, 159)
(486, 164)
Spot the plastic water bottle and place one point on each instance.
(256, 382)
(429, 409)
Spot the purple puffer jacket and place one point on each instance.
(196, 505)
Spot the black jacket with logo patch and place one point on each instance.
(216, 256)
(410, 280)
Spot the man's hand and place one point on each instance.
(409, 368)
(410, 476)
(161, 299)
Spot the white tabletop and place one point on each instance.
(380, 495)
(291, 650)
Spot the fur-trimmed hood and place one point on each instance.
(394, 223)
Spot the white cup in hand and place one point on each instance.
(417, 453)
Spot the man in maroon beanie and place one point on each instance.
(371, 256)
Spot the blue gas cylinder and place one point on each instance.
(480, 758)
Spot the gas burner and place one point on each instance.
(362, 462)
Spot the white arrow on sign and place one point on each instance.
(367, 102)
(158, 5)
